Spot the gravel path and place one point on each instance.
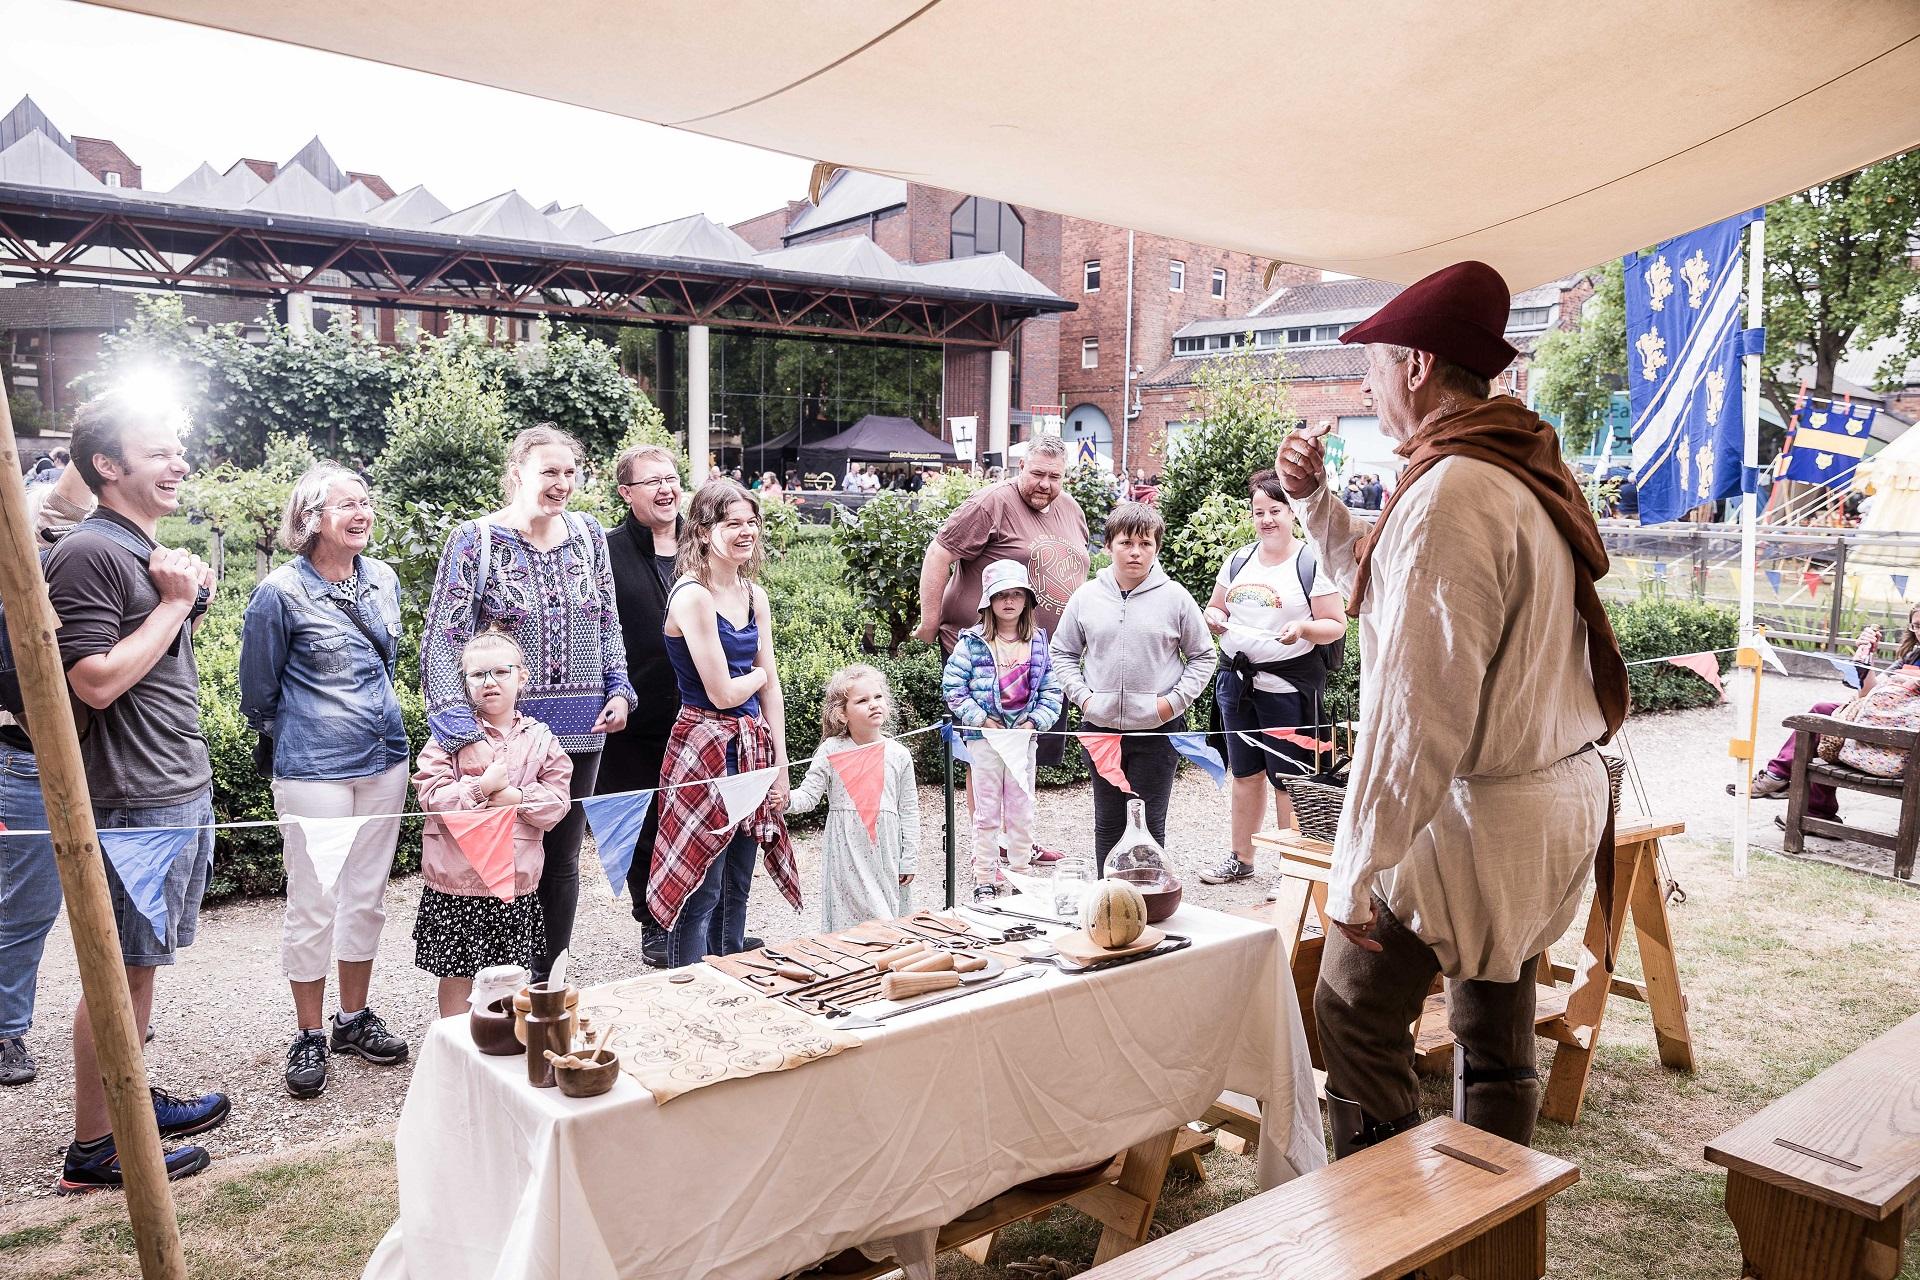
(223, 1017)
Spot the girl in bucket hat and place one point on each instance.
(1001, 677)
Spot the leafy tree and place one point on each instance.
(570, 380)
(1200, 544)
(1243, 412)
(447, 434)
(30, 416)
(1577, 369)
(884, 544)
(1840, 273)
(1092, 488)
(244, 504)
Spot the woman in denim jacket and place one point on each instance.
(316, 681)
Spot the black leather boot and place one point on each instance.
(1504, 1102)
(1354, 1130)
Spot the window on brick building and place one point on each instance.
(1189, 346)
(1266, 338)
(1529, 317)
(1090, 277)
(1219, 282)
(1089, 353)
(1176, 276)
(987, 226)
(111, 177)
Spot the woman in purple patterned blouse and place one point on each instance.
(539, 572)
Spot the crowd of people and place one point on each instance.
(561, 661)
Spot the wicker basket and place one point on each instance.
(1317, 805)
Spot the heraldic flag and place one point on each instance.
(1828, 443)
(1684, 343)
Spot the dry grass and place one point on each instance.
(1785, 973)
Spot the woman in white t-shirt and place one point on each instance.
(1270, 609)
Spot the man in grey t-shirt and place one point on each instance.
(127, 610)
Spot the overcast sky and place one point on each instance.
(173, 95)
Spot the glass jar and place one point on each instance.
(1071, 876)
(1137, 858)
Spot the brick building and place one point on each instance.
(1295, 331)
(1132, 291)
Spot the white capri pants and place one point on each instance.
(344, 925)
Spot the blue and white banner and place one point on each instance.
(1828, 442)
(1683, 369)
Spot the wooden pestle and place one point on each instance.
(902, 986)
(930, 962)
(899, 956)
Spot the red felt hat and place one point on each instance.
(1458, 313)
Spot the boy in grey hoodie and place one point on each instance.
(1132, 652)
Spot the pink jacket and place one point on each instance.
(535, 764)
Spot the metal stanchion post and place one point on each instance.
(952, 844)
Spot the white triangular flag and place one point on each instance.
(742, 794)
(1767, 654)
(329, 841)
(1011, 746)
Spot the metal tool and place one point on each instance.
(856, 1022)
(1175, 942)
(784, 958)
(792, 973)
(834, 960)
(1055, 921)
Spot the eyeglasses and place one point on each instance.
(654, 482)
(358, 504)
(493, 675)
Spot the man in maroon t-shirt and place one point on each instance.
(1032, 519)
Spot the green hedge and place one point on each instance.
(1653, 628)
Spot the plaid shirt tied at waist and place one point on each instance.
(693, 820)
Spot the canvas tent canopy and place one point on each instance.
(1893, 474)
(1384, 140)
(875, 439)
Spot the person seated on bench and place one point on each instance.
(1822, 800)
(1489, 671)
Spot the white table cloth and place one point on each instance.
(936, 1112)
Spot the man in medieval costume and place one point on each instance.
(1489, 672)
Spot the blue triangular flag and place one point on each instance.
(1848, 672)
(1194, 747)
(1773, 580)
(958, 743)
(616, 821)
(141, 857)
(1899, 583)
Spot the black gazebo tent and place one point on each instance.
(874, 439)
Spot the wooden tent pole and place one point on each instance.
(83, 879)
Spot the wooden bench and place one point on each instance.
(1825, 1183)
(1440, 1200)
(1570, 1016)
(1808, 767)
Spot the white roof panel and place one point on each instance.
(416, 207)
(855, 257)
(695, 236)
(851, 194)
(507, 216)
(38, 161)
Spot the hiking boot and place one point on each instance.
(307, 1064)
(653, 943)
(16, 1064)
(985, 892)
(751, 943)
(366, 1037)
(92, 1170)
(1229, 870)
(180, 1117)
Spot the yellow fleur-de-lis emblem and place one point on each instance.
(1686, 469)
(1702, 465)
(1659, 282)
(1716, 395)
(1653, 354)
(1694, 272)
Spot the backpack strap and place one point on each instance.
(1239, 561)
(1308, 567)
(483, 534)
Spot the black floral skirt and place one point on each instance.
(456, 937)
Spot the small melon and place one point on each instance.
(1113, 913)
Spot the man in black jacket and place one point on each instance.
(641, 552)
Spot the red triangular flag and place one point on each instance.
(485, 836)
(1104, 748)
(1299, 739)
(1812, 581)
(863, 771)
(1704, 665)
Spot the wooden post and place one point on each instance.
(83, 878)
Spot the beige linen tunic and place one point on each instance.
(1467, 809)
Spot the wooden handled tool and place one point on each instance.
(900, 956)
(969, 963)
(789, 971)
(904, 986)
(928, 962)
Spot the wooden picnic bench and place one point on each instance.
(1825, 1183)
(1444, 1199)
(1808, 767)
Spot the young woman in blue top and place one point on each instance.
(317, 649)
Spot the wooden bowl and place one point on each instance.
(492, 1029)
(588, 1082)
(523, 1005)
